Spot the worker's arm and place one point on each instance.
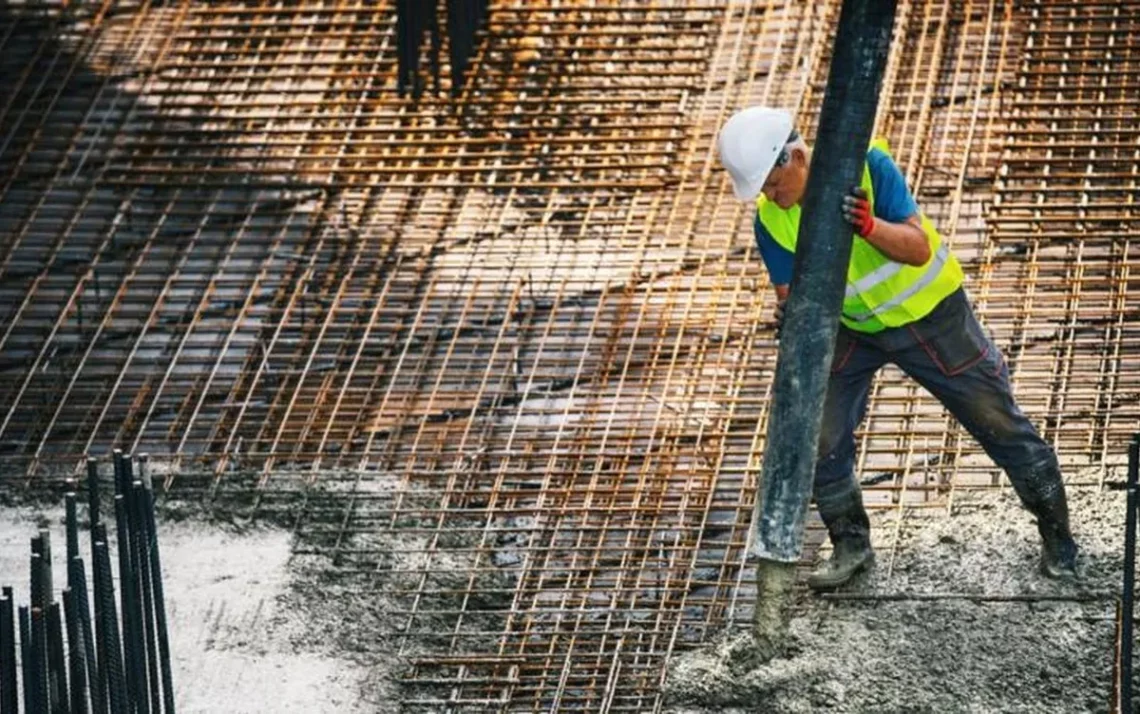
(778, 260)
(901, 242)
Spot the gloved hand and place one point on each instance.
(779, 315)
(857, 211)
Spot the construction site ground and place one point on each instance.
(957, 638)
(954, 617)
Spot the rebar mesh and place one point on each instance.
(521, 338)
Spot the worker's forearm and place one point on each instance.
(901, 242)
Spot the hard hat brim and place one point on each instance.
(749, 190)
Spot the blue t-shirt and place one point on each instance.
(893, 203)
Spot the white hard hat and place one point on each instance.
(749, 144)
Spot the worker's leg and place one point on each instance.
(954, 359)
(836, 491)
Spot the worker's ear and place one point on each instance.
(799, 157)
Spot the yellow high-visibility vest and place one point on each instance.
(881, 293)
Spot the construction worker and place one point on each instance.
(904, 304)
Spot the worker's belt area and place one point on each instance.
(949, 334)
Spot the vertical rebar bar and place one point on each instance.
(1124, 668)
(97, 695)
(55, 685)
(107, 633)
(100, 690)
(159, 597)
(9, 700)
(138, 647)
(140, 539)
(98, 599)
(45, 565)
(92, 491)
(26, 661)
(130, 639)
(72, 522)
(98, 666)
(117, 467)
(126, 579)
(38, 684)
(75, 640)
(58, 694)
(76, 651)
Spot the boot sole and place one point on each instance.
(1064, 575)
(832, 581)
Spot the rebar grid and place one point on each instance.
(1066, 201)
(507, 358)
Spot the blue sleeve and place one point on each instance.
(777, 258)
(893, 200)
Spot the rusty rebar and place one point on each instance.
(527, 330)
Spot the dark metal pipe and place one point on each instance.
(823, 250)
(9, 699)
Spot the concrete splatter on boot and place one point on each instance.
(841, 507)
(1043, 492)
(774, 582)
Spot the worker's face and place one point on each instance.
(785, 184)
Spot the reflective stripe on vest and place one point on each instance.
(880, 292)
(932, 271)
(880, 275)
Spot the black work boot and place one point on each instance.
(841, 507)
(1043, 493)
